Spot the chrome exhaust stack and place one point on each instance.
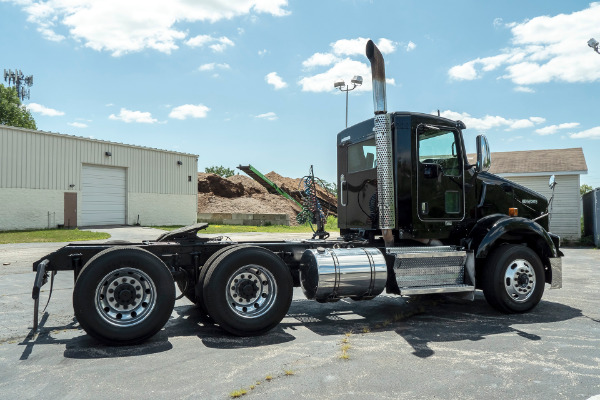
(383, 139)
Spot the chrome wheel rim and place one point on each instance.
(125, 297)
(519, 280)
(251, 291)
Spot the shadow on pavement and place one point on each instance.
(420, 320)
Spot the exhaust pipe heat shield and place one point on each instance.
(383, 140)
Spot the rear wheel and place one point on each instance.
(513, 279)
(194, 293)
(123, 295)
(248, 290)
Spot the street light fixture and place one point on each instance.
(593, 43)
(356, 81)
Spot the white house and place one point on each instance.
(533, 168)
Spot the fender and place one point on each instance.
(486, 233)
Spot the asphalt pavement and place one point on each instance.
(427, 347)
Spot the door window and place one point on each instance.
(362, 156)
(438, 146)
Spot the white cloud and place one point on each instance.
(348, 47)
(340, 67)
(537, 120)
(262, 52)
(40, 109)
(320, 60)
(524, 89)
(551, 129)
(133, 116)
(464, 71)
(498, 22)
(384, 45)
(273, 79)
(222, 44)
(492, 122)
(189, 110)
(411, 46)
(472, 69)
(521, 123)
(593, 133)
(77, 124)
(270, 116)
(218, 45)
(129, 26)
(543, 49)
(344, 69)
(213, 66)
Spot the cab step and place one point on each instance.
(433, 269)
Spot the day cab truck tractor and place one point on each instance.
(415, 217)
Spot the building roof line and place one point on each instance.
(94, 140)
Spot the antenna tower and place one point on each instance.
(18, 80)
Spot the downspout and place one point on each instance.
(383, 140)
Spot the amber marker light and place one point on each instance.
(513, 212)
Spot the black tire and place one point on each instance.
(123, 295)
(248, 290)
(513, 279)
(194, 294)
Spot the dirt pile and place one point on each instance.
(241, 194)
(294, 186)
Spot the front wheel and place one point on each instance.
(248, 290)
(513, 279)
(123, 295)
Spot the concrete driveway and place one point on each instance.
(411, 348)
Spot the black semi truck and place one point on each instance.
(415, 217)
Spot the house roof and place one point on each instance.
(537, 161)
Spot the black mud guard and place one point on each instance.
(486, 233)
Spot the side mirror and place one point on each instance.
(552, 182)
(484, 159)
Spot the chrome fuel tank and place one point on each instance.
(330, 274)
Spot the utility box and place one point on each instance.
(591, 215)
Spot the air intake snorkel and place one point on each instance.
(383, 139)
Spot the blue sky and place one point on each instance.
(251, 81)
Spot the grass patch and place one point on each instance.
(50, 235)
(238, 393)
(289, 372)
(331, 226)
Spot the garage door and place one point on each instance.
(103, 195)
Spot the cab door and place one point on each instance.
(357, 182)
(440, 174)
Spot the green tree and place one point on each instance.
(220, 170)
(331, 187)
(12, 112)
(583, 189)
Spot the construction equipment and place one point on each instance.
(294, 195)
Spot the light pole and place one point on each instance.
(593, 43)
(356, 81)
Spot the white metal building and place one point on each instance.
(48, 179)
(533, 169)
